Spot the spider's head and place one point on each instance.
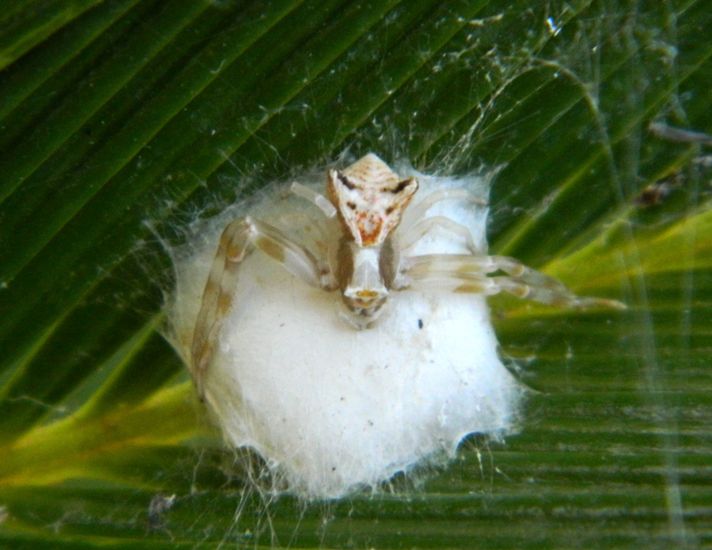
(370, 199)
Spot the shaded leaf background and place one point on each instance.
(124, 119)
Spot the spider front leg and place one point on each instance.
(236, 242)
(317, 199)
(466, 273)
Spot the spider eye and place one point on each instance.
(345, 181)
(351, 205)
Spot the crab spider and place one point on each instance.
(370, 259)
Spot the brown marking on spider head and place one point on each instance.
(370, 199)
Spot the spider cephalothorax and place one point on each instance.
(370, 199)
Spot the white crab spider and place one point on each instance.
(404, 368)
(368, 263)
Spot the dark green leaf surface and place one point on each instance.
(120, 119)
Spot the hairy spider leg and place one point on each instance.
(470, 274)
(238, 239)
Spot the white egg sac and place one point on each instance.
(330, 408)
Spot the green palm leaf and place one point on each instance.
(122, 118)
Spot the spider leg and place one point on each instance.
(419, 229)
(419, 210)
(304, 220)
(466, 263)
(466, 273)
(317, 199)
(238, 239)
